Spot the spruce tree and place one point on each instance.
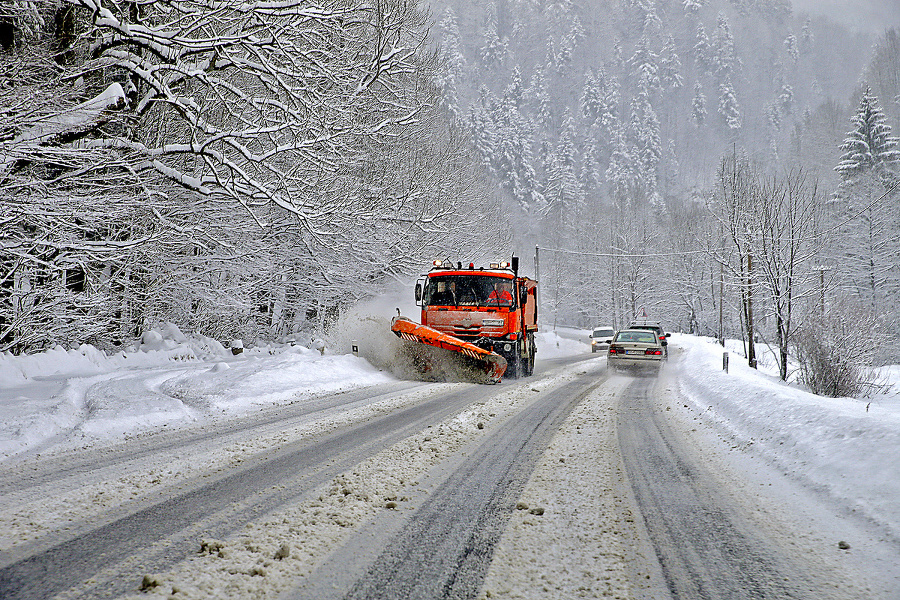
(698, 106)
(728, 106)
(869, 146)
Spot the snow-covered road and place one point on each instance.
(803, 473)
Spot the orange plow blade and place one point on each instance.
(489, 365)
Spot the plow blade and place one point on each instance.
(487, 366)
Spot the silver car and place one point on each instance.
(601, 337)
(637, 349)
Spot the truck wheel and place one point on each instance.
(516, 366)
(529, 361)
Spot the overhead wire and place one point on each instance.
(832, 229)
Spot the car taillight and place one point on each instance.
(653, 351)
(616, 350)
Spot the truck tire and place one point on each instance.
(529, 360)
(516, 366)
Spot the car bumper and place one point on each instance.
(634, 362)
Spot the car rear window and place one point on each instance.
(637, 336)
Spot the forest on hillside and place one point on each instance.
(252, 169)
(724, 166)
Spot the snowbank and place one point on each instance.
(845, 447)
(70, 396)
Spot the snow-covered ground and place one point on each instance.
(843, 448)
(80, 396)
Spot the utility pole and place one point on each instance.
(751, 351)
(821, 269)
(721, 304)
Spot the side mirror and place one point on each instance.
(523, 295)
(418, 292)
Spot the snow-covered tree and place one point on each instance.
(725, 62)
(670, 66)
(181, 164)
(507, 146)
(785, 99)
(866, 211)
(481, 124)
(538, 98)
(644, 65)
(792, 47)
(869, 146)
(494, 48)
(773, 120)
(703, 51)
(729, 109)
(515, 90)
(806, 37)
(452, 62)
(590, 174)
(600, 101)
(621, 173)
(562, 193)
(692, 6)
(698, 106)
(645, 133)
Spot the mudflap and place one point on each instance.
(446, 357)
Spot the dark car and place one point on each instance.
(655, 327)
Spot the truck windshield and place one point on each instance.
(469, 290)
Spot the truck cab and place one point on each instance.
(492, 308)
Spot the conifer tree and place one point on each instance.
(806, 37)
(869, 146)
(620, 173)
(538, 98)
(703, 51)
(792, 48)
(693, 6)
(725, 63)
(644, 65)
(453, 63)
(698, 106)
(867, 247)
(670, 66)
(729, 109)
(494, 50)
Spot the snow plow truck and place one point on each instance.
(482, 319)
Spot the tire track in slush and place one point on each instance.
(704, 550)
(156, 534)
(445, 548)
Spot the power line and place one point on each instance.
(814, 237)
(614, 255)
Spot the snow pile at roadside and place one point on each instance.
(74, 396)
(845, 447)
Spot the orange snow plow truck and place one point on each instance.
(484, 319)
